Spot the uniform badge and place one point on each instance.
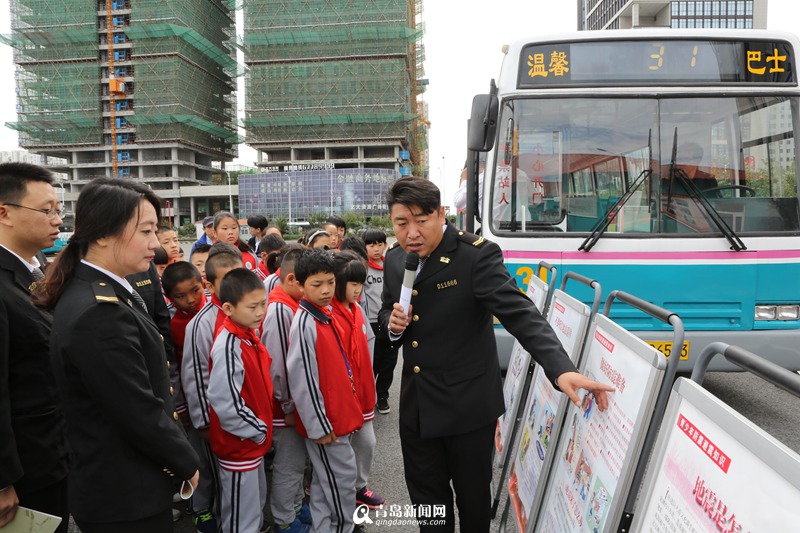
(445, 260)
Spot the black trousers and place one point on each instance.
(160, 523)
(466, 460)
(51, 499)
(384, 361)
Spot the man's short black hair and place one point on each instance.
(373, 236)
(271, 243)
(178, 273)
(221, 255)
(238, 283)
(348, 266)
(312, 262)
(415, 191)
(14, 178)
(258, 221)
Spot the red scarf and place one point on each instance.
(221, 316)
(375, 265)
(279, 295)
(343, 313)
(178, 326)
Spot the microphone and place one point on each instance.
(412, 262)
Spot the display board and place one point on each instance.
(596, 452)
(541, 421)
(713, 470)
(513, 386)
(537, 292)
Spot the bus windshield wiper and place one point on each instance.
(611, 213)
(689, 186)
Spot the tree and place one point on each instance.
(354, 221)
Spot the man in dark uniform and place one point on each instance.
(33, 443)
(451, 393)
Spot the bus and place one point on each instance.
(65, 231)
(659, 162)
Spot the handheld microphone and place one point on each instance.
(412, 262)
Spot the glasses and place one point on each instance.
(49, 213)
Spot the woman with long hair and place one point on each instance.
(109, 360)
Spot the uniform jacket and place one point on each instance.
(33, 438)
(200, 334)
(323, 390)
(180, 320)
(240, 398)
(110, 364)
(354, 338)
(275, 337)
(451, 376)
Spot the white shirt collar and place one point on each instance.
(121, 281)
(33, 264)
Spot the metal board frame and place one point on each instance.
(655, 364)
(758, 445)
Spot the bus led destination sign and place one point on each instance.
(663, 62)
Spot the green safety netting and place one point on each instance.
(189, 120)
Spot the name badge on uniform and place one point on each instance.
(447, 284)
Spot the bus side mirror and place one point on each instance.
(482, 123)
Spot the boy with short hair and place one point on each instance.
(327, 411)
(240, 400)
(289, 514)
(385, 356)
(200, 334)
(198, 258)
(169, 242)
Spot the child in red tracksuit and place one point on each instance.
(351, 272)
(323, 389)
(240, 398)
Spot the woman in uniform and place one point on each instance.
(128, 448)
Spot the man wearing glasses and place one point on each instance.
(33, 445)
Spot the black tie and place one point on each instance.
(37, 274)
(139, 300)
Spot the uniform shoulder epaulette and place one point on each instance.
(471, 238)
(104, 292)
(392, 246)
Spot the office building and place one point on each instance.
(626, 14)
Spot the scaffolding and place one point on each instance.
(332, 71)
(164, 69)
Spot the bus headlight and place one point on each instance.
(777, 312)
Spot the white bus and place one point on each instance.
(660, 163)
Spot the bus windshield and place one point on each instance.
(562, 163)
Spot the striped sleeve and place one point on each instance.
(194, 368)
(225, 391)
(301, 362)
(275, 338)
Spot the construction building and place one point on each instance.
(627, 14)
(334, 85)
(139, 89)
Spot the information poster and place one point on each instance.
(597, 451)
(540, 422)
(537, 292)
(512, 388)
(705, 480)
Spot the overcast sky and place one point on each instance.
(463, 41)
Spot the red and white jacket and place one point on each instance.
(240, 398)
(354, 338)
(177, 325)
(200, 334)
(275, 337)
(320, 376)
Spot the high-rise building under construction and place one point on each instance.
(334, 84)
(128, 88)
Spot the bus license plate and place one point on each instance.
(666, 348)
